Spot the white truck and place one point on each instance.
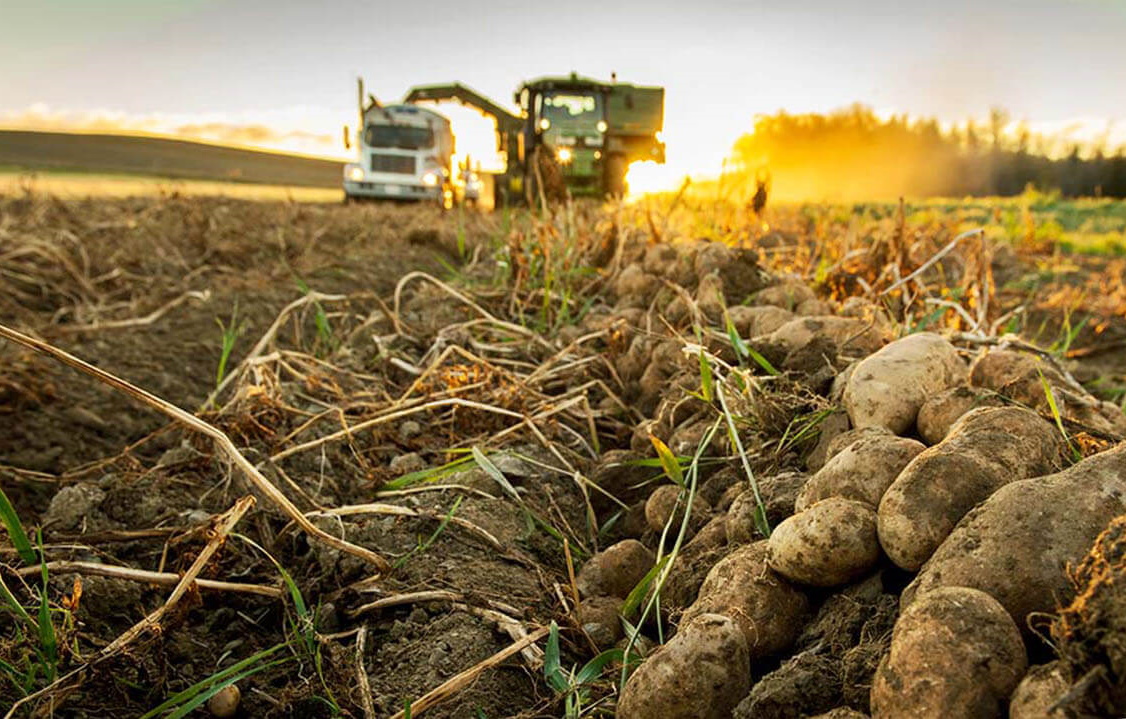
(404, 154)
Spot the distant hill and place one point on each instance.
(123, 154)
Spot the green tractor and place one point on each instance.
(571, 134)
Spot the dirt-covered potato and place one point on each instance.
(888, 388)
(635, 287)
(862, 471)
(778, 492)
(787, 294)
(663, 502)
(598, 617)
(954, 653)
(851, 336)
(701, 673)
(831, 427)
(615, 571)
(985, 450)
(767, 608)
(1018, 544)
(1021, 376)
(831, 543)
(710, 298)
(1041, 687)
(755, 321)
(939, 413)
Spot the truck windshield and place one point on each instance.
(403, 137)
(571, 109)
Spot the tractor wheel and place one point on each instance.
(614, 179)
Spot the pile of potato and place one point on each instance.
(941, 483)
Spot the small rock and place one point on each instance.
(407, 463)
(410, 429)
(225, 702)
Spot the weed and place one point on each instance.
(424, 545)
(16, 534)
(1055, 410)
(230, 334)
(326, 340)
(573, 685)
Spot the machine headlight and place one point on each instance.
(601, 126)
(355, 173)
(565, 155)
(545, 123)
(430, 179)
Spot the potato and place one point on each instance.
(712, 535)
(615, 571)
(701, 673)
(617, 475)
(1017, 545)
(1038, 691)
(598, 617)
(831, 543)
(954, 653)
(939, 413)
(777, 491)
(664, 501)
(829, 429)
(813, 308)
(888, 388)
(985, 450)
(709, 298)
(787, 294)
(635, 287)
(755, 321)
(767, 608)
(850, 335)
(1021, 376)
(862, 471)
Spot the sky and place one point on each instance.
(281, 73)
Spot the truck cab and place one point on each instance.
(404, 154)
(594, 129)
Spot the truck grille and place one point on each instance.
(400, 164)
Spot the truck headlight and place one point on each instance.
(355, 173)
(545, 124)
(601, 126)
(430, 179)
(565, 155)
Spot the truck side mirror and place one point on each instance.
(347, 140)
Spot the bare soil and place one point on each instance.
(519, 340)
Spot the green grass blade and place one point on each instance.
(430, 474)
(1055, 410)
(493, 471)
(637, 594)
(48, 641)
(552, 669)
(594, 668)
(11, 602)
(202, 698)
(707, 381)
(18, 537)
(180, 697)
(762, 362)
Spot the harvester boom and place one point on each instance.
(506, 121)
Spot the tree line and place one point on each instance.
(852, 154)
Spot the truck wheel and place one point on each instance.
(615, 175)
